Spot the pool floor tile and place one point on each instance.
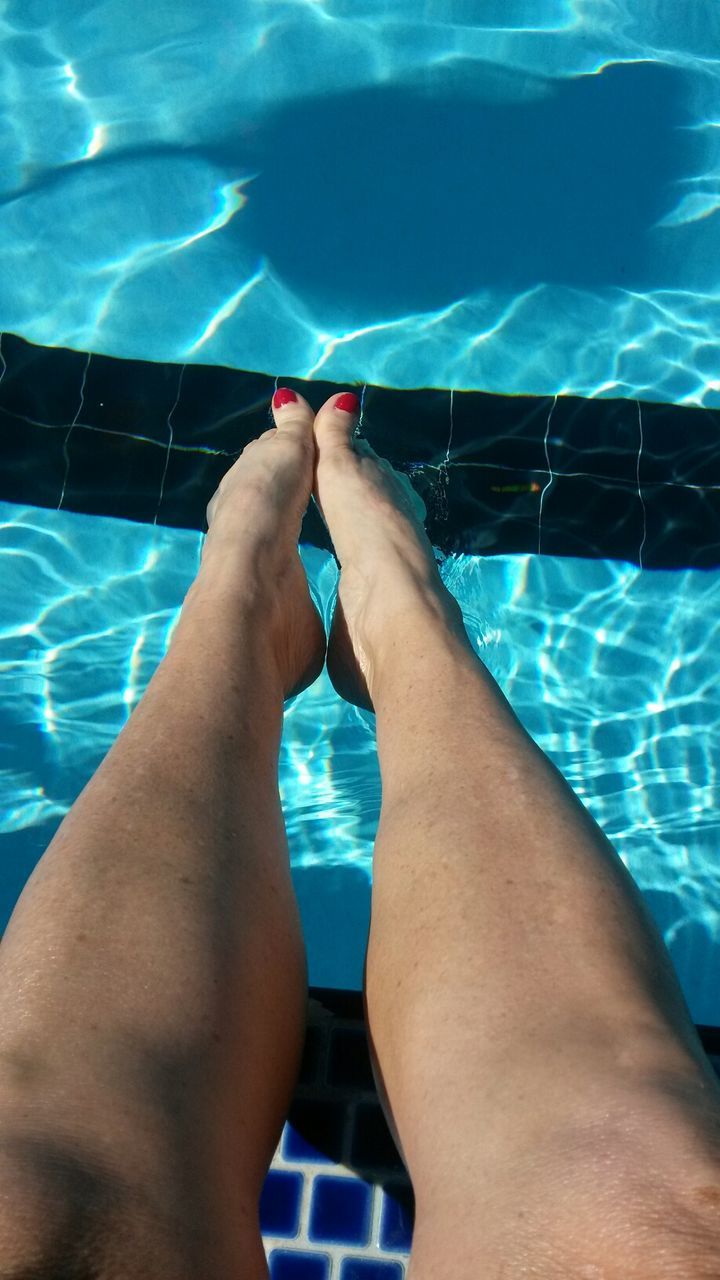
(368, 1269)
(396, 1223)
(285, 1265)
(280, 1203)
(340, 1211)
(325, 1214)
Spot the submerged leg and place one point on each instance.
(152, 977)
(555, 1109)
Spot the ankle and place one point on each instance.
(223, 636)
(414, 627)
(409, 585)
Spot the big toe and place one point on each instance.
(336, 457)
(335, 423)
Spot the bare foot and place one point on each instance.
(388, 568)
(254, 520)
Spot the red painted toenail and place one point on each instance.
(348, 402)
(282, 396)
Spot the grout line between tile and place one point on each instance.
(619, 481)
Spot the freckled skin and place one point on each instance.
(709, 1195)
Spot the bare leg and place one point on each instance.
(152, 977)
(555, 1110)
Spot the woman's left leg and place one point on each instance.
(152, 977)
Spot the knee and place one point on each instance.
(674, 1251)
(62, 1219)
(632, 1224)
(32, 1218)
(607, 1214)
(46, 1235)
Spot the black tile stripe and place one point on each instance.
(558, 475)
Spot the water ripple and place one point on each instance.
(148, 211)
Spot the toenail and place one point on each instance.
(348, 402)
(282, 396)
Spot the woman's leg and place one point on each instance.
(152, 977)
(555, 1110)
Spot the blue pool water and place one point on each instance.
(612, 670)
(217, 182)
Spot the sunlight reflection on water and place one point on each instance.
(565, 154)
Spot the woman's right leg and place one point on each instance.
(152, 977)
(553, 1103)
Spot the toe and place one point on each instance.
(294, 419)
(334, 425)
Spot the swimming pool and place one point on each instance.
(218, 185)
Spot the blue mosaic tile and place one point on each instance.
(280, 1203)
(285, 1265)
(315, 1131)
(340, 1211)
(396, 1222)
(367, 1269)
